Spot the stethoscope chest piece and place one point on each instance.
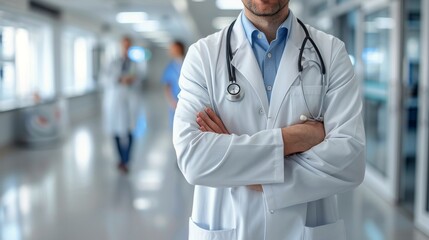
(234, 92)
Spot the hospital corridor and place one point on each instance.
(118, 123)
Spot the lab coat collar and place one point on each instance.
(288, 71)
(246, 64)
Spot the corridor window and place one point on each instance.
(78, 70)
(26, 74)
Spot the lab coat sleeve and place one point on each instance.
(110, 75)
(337, 164)
(219, 160)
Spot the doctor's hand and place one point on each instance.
(302, 137)
(210, 122)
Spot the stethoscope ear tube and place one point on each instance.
(231, 69)
(234, 93)
(301, 51)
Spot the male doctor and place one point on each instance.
(259, 170)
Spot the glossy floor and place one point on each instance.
(71, 190)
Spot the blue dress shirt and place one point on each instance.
(267, 54)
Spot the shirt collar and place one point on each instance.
(251, 30)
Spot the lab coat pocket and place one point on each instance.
(326, 232)
(312, 99)
(198, 233)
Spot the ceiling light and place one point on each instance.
(131, 17)
(229, 4)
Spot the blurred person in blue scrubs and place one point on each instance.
(121, 82)
(171, 75)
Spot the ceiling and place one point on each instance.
(187, 20)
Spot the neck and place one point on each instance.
(268, 24)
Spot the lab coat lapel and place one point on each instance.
(245, 62)
(287, 73)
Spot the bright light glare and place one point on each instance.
(229, 4)
(8, 42)
(352, 59)
(150, 180)
(23, 78)
(24, 199)
(373, 56)
(142, 204)
(81, 63)
(83, 149)
(131, 17)
(137, 54)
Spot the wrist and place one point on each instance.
(292, 140)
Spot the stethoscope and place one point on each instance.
(235, 93)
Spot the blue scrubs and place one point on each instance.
(171, 77)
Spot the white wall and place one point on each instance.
(83, 107)
(7, 133)
(156, 66)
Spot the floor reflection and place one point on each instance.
(72, 190)
(369, 217)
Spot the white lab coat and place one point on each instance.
(299, 198)
(120, 103)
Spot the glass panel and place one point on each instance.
(347, 33)
(376, 56)
(341, 1)
(427, 191)
(24, 78)
(7, 43)
(319, 8)
(78, 70)
(7, 84)
(411, 46)
(26, 71)
(80, 64)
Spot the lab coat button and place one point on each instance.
(261, 111)
(272, 211)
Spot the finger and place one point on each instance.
(216, 119)
(209, 122)
(203, 124)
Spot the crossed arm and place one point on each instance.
(296, 139)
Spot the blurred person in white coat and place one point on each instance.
(269, 129)
(120, 103)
